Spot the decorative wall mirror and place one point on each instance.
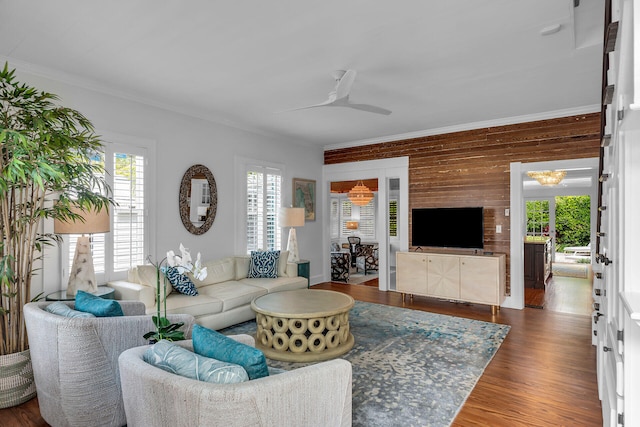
(198, 199)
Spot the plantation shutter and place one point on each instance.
(367, 226)
(335, 218)
(366, 219)
(345, 215)
(128, 217)
(264, 188)
(127, 237)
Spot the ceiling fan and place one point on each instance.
(339, 96)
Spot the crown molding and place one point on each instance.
(587, 109)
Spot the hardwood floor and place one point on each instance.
(544, 373)
(562, 294)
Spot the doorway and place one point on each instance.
(383, 170)
(581, 179)
(354, 239)
(557, 254)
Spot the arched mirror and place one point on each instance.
(198, 199)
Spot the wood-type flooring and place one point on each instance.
(544, 374)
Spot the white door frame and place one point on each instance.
(397, 167)
(518, 230)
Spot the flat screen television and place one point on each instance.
(448, 227)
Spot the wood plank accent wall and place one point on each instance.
(471, 168)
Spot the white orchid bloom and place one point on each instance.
(184, 263)
(199, 272)
(171, 259)
(186, 256)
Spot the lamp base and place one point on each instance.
(292, 246)
(82, 276)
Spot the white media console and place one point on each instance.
(470, 278)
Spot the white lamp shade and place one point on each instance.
(94, 222)
(291, 217)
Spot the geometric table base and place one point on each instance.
(304, 340)
(303, 325)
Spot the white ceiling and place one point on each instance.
(435, 64)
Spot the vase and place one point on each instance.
(16, 379)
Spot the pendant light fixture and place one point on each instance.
(548, 178)
(360, 195)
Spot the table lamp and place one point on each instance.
(352, 225)
(292, 217)
(82, 276)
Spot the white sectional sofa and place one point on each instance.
(224, 296)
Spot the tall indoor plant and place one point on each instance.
(46, 155)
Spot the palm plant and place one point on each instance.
(45, 167)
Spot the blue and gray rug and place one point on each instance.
(410, 368)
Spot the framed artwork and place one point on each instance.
(304, 196)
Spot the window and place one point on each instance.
(128, 216)
(335, 218)
(264, 199)
(537, 218)
(346, 215)
(127, 244)
(347, 211)
(367, 226)
(393, 218)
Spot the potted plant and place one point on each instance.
(165, 330)
(46, 156)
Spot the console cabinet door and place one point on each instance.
(443, 276)
(479, 279)
(411, 273)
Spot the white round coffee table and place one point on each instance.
(304, 325)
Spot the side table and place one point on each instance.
(103, 292)
(303, 270)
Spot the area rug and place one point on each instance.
(357, 278)
(581, 271)
(410, 368)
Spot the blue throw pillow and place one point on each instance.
(97, 306)
(62, 309)
(209, 343)
(264, 264)
(177, 360)
(180, 282)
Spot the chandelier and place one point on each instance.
(548, 178)
(360, 195)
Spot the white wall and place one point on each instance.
(182, 141)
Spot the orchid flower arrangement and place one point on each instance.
(183, 263)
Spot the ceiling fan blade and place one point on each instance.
(344, 84)
(326, 103)
(369, 108)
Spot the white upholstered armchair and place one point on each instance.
(75, 362)
(316, 395)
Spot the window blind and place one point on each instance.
(264, 198)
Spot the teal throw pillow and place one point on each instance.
(97, 306)
(264, 264)
(180, 361)
(62, 309)
(209, 343)
(180, 282)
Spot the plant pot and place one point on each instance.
(16, 379)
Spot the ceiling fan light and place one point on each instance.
(360, 195)
(548, 178)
